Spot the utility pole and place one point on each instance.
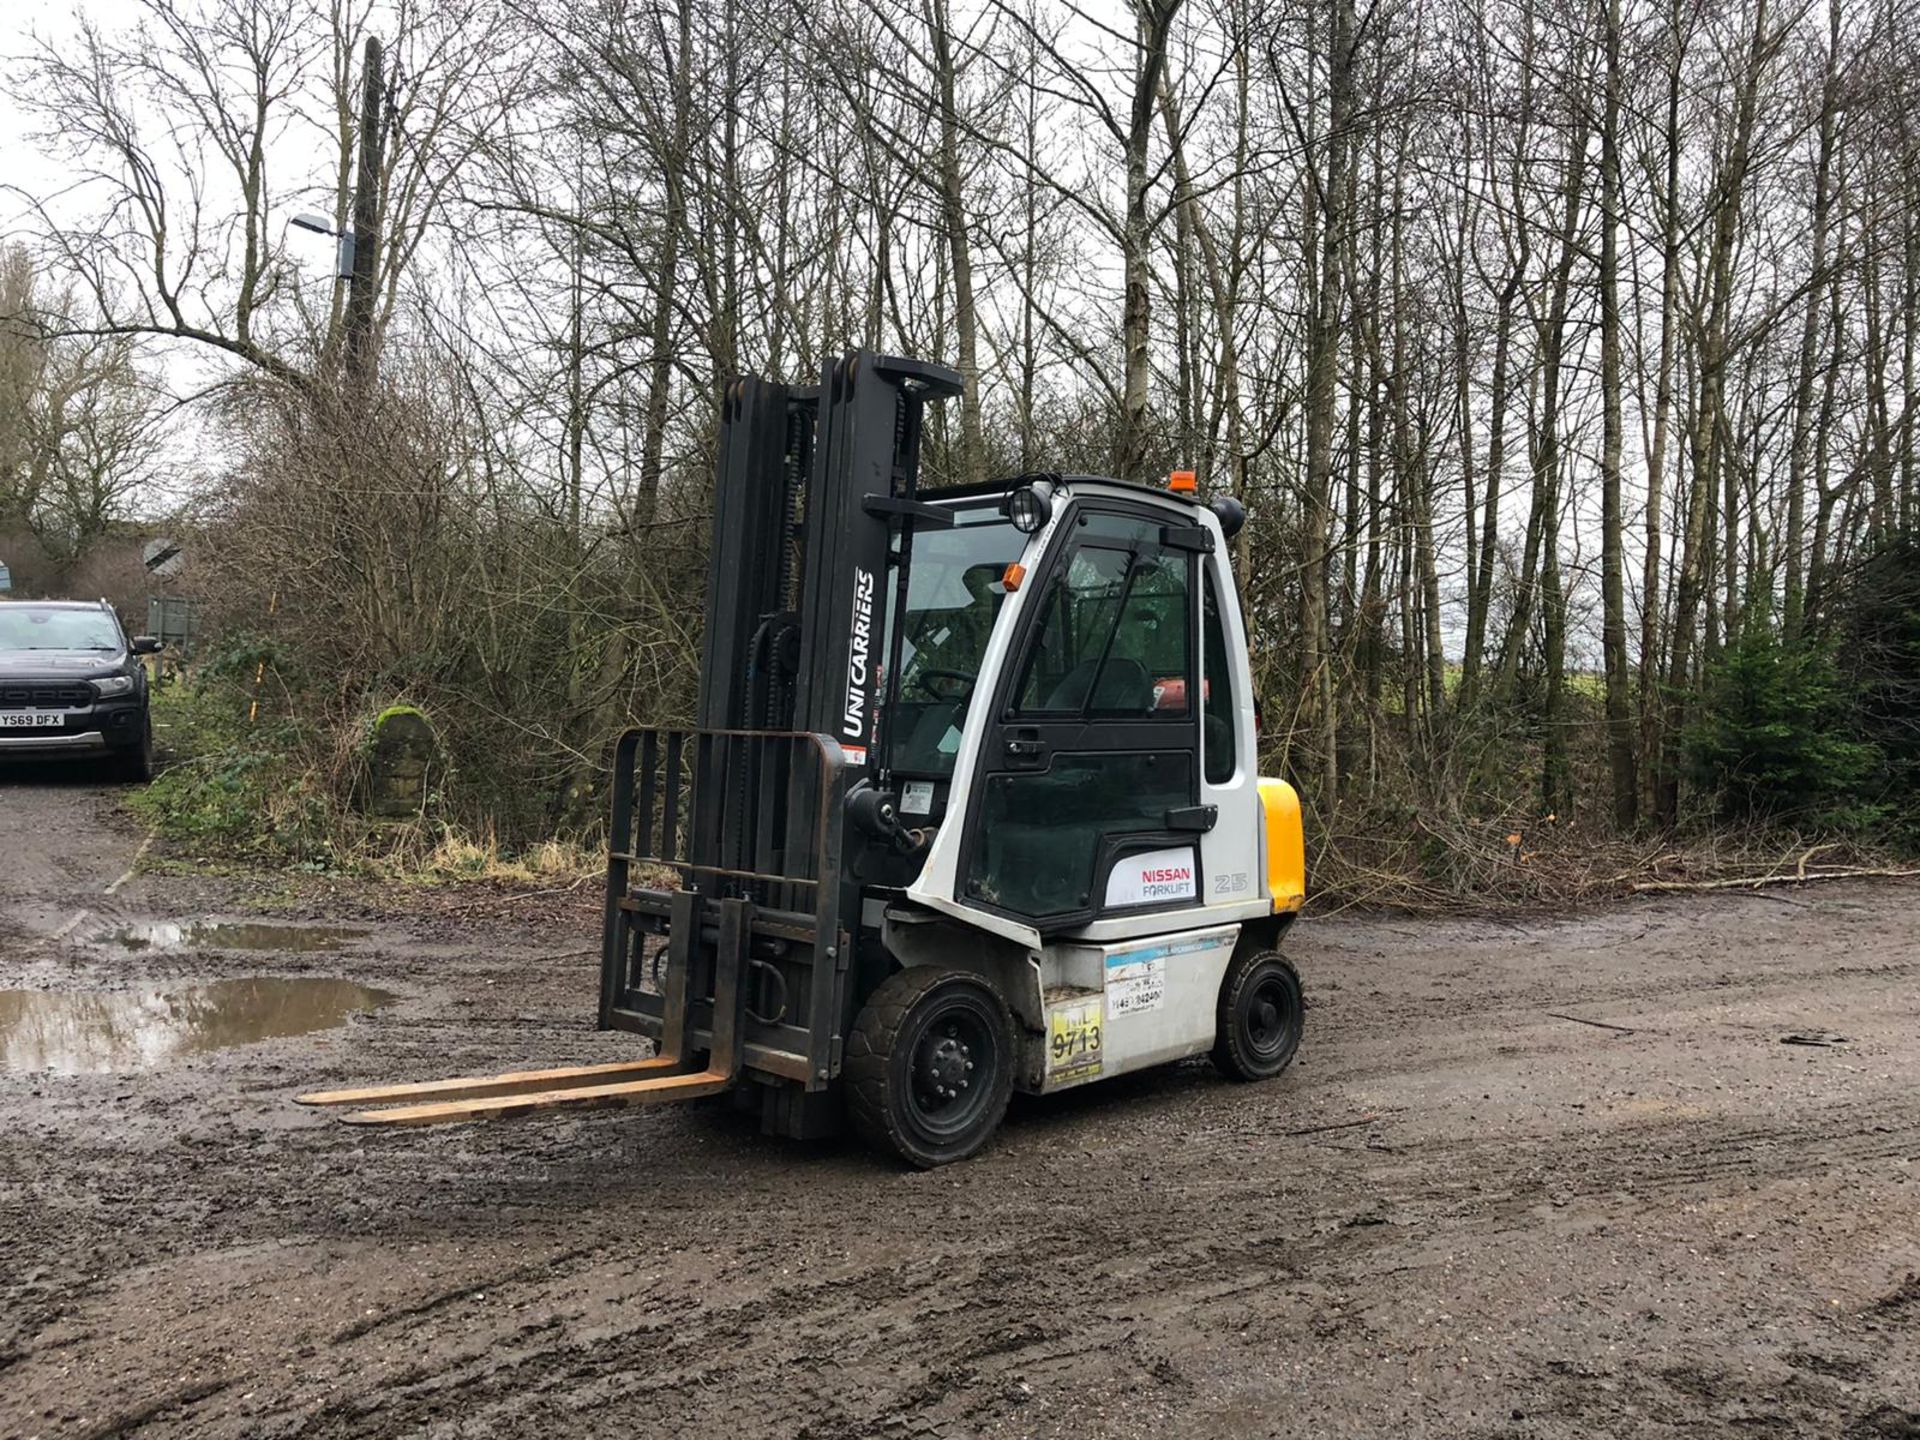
(363, 284)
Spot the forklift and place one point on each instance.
(972, 804)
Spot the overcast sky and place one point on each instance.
(19, 21)
(180, 368)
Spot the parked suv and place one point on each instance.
(72, 685)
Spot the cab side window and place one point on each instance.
(1113, 640)
(1218, 740)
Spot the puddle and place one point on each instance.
(224, 935)
(80, 1032)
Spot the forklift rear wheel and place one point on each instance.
(1261, 1017)
(929, 1065)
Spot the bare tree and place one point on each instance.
(80, 423)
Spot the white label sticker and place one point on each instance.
(1137, 978)
(1136, 982)
(1158, 875)
(916, 797)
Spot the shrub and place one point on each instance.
(231, 784)
(1776, 737)
(1877, 613)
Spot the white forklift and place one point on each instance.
(972, 804)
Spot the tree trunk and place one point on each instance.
(1221, 290)
(1323, 363)
(1154, 22)
(364, 288)
(1651, 709)
(1556, 781)
(1707, 438)
(972, 461)
(1810, 336)
(1620, 755)
(660, 332)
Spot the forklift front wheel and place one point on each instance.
(1262, 1015)
(929, 1065)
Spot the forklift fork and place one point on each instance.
(667, 1076)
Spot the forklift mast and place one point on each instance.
(755, 956)
(815, 497)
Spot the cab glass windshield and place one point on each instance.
(34, 627)
(953, 594)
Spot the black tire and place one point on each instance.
(929, 1065)
(136, 765)
(1262, 1015)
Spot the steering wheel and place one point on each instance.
(962, 682)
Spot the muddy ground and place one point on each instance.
(1527, 1179)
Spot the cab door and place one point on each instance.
(1085, 800)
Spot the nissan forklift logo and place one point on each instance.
(859, 655)
(1157, 875)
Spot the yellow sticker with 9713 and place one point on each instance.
(1074, 1033)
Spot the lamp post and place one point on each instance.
(343, 266)
(359, 251)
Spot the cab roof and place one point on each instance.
(1054, 477)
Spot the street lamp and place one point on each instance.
(343, 266)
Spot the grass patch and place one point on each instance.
(433, 852)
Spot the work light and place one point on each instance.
(1028, 509)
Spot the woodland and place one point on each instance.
(1565, 358)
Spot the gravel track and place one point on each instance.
(1468, 1210)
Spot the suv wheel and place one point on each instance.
(136, 765)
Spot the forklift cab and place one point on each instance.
(1075, 712)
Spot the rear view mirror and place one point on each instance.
(145, 645)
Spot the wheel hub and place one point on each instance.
(946, 1063)
(1269, 1017)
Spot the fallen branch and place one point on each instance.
(1597, 1024)
(1754, 882)
(1801, 868)
(514, 899)
(1650, 862)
